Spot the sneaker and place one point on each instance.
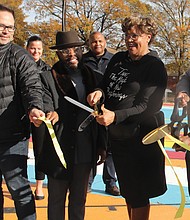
(113, 190)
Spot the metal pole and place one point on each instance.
(63, 15)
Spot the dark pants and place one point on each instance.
(77, 187)
(38, 135)
(13, 166)
(109, 176)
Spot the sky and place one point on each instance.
(31, 16)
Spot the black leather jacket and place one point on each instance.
(20, 90)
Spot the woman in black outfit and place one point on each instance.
(133, 87)
(35, 48)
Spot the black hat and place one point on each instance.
(66, 40)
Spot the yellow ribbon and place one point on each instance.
(156, 135)
(54, 140)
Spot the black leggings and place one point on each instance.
(38, 135)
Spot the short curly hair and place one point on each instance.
(144, 24)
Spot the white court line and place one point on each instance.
(171, 178)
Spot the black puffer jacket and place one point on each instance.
(20, 90)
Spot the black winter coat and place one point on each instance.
(57, 84)
(20, 90)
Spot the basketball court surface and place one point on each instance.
(101, 206)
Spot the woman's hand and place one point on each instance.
(94, 97)
(106, 118)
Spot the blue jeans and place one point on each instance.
(13, 166)
(109, 176)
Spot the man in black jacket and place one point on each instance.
(183, 93)
(98, 58)
(69, 77)
(21, 100)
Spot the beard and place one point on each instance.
(72, 62)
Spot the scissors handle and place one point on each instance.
(97, 108)
(181, 126)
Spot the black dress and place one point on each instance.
(134, 91)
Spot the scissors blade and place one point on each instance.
(79, 104)
(86, 122)
(90, 118)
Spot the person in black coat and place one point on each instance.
(183, 93)
(98, 58)
(35, 47)
(81, 149)
(134, 85)
(21, 102)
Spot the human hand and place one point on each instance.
(101, 156)
(34, 114)
(185, 139)
(94, 97)
(106, 118)
(184, 99)
(53, 117)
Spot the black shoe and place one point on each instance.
(38, 197)
(113, 190)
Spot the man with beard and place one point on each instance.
(81, 149)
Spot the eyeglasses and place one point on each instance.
(10, 28)
(68, 50)
(132, 36)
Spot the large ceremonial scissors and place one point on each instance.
(93, 112)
